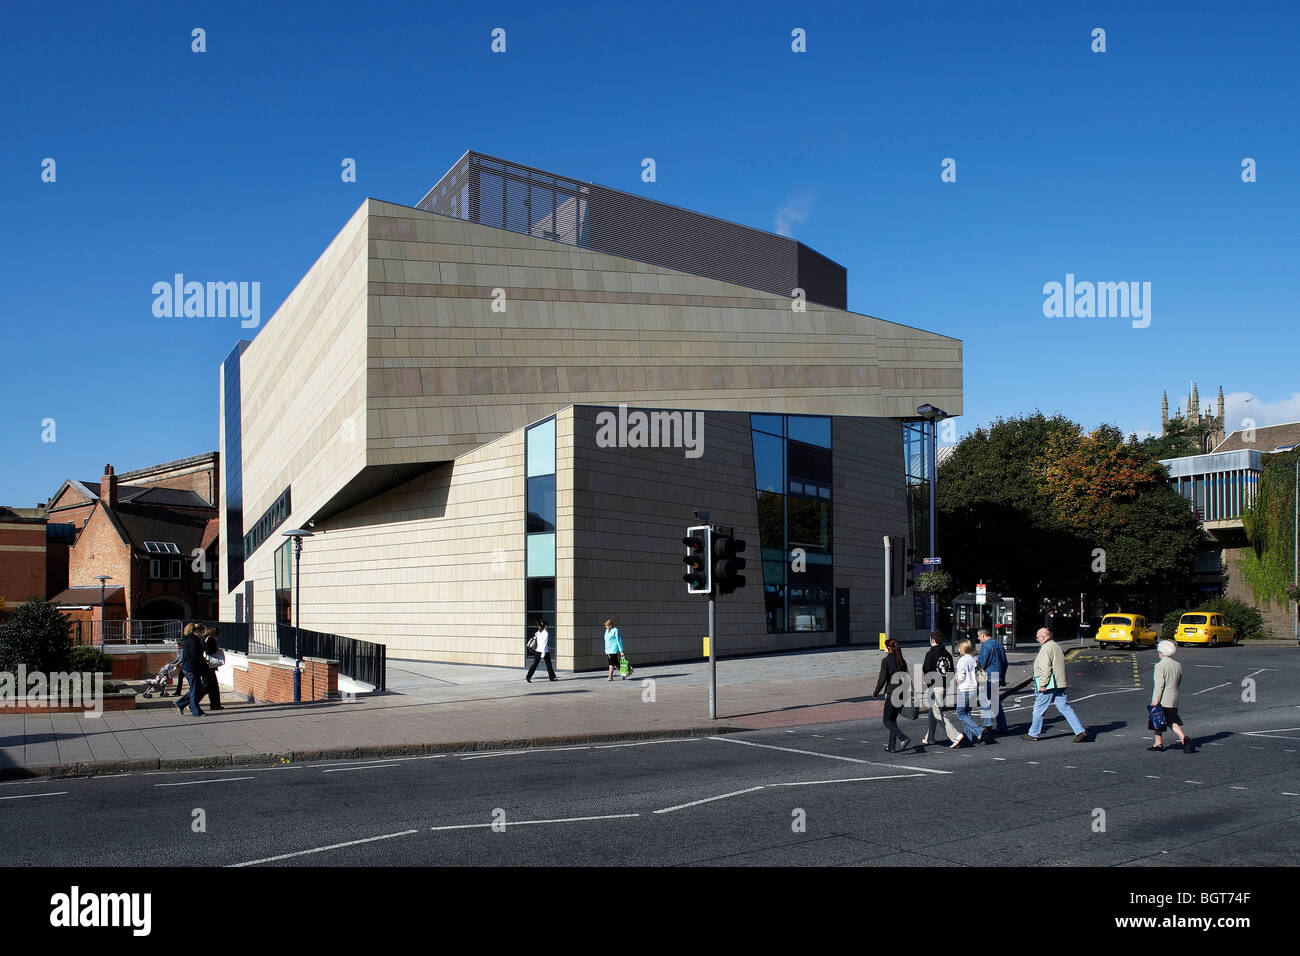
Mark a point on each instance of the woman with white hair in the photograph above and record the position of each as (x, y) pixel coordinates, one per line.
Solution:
(1164, 694)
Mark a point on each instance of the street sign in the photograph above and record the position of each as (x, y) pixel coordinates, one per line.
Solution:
(981, 594)
(932, 560)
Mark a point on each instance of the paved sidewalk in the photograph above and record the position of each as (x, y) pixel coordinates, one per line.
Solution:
(447, 707)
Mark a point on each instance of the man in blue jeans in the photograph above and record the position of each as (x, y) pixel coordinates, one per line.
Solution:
(1049, 688)
(193, 664)
(993, 662)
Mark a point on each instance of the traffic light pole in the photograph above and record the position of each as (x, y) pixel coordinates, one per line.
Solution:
(713, 661)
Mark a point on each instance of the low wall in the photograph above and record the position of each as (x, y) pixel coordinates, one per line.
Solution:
(270, 679)
(137, 662)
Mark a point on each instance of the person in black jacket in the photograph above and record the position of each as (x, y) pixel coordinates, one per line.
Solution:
(893, 678)
(210, 686)
(193, 665)
(938, 668)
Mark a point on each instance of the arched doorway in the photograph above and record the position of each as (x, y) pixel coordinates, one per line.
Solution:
(164, 609)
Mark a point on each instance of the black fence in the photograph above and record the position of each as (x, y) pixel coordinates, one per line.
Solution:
(360, 660)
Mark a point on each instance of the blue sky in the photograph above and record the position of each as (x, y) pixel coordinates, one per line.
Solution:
(224, 165)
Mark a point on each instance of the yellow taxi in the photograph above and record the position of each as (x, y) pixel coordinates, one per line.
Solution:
(1128, 629)
(1204, 627)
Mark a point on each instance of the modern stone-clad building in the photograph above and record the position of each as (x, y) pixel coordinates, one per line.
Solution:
(508, 404)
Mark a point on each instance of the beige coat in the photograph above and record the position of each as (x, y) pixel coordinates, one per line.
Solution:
(1166, 678)
(1050, 661)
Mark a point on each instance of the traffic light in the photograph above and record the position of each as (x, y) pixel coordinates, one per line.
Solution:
(727, 564)
(698, 560)
(898, 571)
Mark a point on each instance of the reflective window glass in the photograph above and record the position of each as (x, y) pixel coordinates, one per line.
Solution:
(814, 431)
(541, 448)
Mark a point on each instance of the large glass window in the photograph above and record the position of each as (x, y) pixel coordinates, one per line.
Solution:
(792, 478)
(539, 528)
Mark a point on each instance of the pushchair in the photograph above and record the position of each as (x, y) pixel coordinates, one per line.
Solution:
(162, 680)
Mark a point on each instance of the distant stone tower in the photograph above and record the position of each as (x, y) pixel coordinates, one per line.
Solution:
(1193, 415)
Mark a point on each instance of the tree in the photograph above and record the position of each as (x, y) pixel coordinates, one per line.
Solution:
(1178, 441)
(38, 636)
(1036, 508)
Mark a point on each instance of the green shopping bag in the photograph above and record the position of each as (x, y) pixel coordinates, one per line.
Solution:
(624, 666)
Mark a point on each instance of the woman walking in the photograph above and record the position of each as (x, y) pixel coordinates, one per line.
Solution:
(1167, 676)
(213, 657)
(967, 685)
(613, 647)
(893, 679)
(937, 668)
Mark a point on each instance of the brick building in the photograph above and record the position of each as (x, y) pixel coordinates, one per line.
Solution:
(153, 531)
(22, 555)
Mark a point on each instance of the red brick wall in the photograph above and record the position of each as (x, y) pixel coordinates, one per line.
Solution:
(139, 665)
(101, 550)
(22, 572)
(272, 682)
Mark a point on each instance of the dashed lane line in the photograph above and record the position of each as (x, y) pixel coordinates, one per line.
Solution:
(1215, 687)
(1260, 671)
(813, 753)
(510, 753)
(29, 796)
(191, 783)
(323, 849)
(815, 783)
(529, 823)
(373, 766)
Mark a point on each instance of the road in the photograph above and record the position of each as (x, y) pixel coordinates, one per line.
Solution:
(815, 795)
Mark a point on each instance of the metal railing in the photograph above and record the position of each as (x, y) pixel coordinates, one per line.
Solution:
(363, 661)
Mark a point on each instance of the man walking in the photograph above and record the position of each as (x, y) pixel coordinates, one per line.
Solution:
(1049, 688)
(542, 652)
(993, 662)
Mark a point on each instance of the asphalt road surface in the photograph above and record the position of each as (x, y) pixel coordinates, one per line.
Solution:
(818, 795)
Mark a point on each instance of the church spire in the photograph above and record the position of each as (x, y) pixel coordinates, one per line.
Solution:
(1164, 410)
(1221, 419)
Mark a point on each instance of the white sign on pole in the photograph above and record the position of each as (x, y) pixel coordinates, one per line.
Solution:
(981, 594)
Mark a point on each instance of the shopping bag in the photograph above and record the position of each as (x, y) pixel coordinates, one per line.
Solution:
(1157, 714)
(624, 666)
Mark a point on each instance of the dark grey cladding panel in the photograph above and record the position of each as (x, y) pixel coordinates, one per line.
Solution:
(499, 193)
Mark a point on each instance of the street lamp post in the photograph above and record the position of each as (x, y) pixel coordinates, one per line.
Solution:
(297, 534)
(933, 415)
(101, 578)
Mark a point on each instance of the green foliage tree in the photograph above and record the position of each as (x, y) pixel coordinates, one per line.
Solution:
(1178, 441)
(1268, 565)
(1026, 504)
(36, 635)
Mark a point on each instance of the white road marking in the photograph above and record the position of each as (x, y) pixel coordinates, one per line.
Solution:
(1151, 777)
(1110, 771)
(190, 783)
(1288, 793)
(646, 743)
(1193, 781)
(1236, 788)
(373, 766)
(360, 763)
(169, 773)
(813, 753)
(813, 783)
(1035, 762)
(523, 823)
(999, 758)
(1215, 666)
(28, 796)
(508, 753)
(322, 849)
(1260, 671)
(1282, 733)
(1215, 687)
(1070, 767)
(696, 803)
(1126, 690)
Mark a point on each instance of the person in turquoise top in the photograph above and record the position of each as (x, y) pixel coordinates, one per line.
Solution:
(613, 647)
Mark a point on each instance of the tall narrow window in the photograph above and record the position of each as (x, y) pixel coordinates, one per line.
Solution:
(539, 527)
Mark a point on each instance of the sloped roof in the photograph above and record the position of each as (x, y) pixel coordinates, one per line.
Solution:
(1267, 437)
(141, 524)
(78, 597)
(162, 497)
